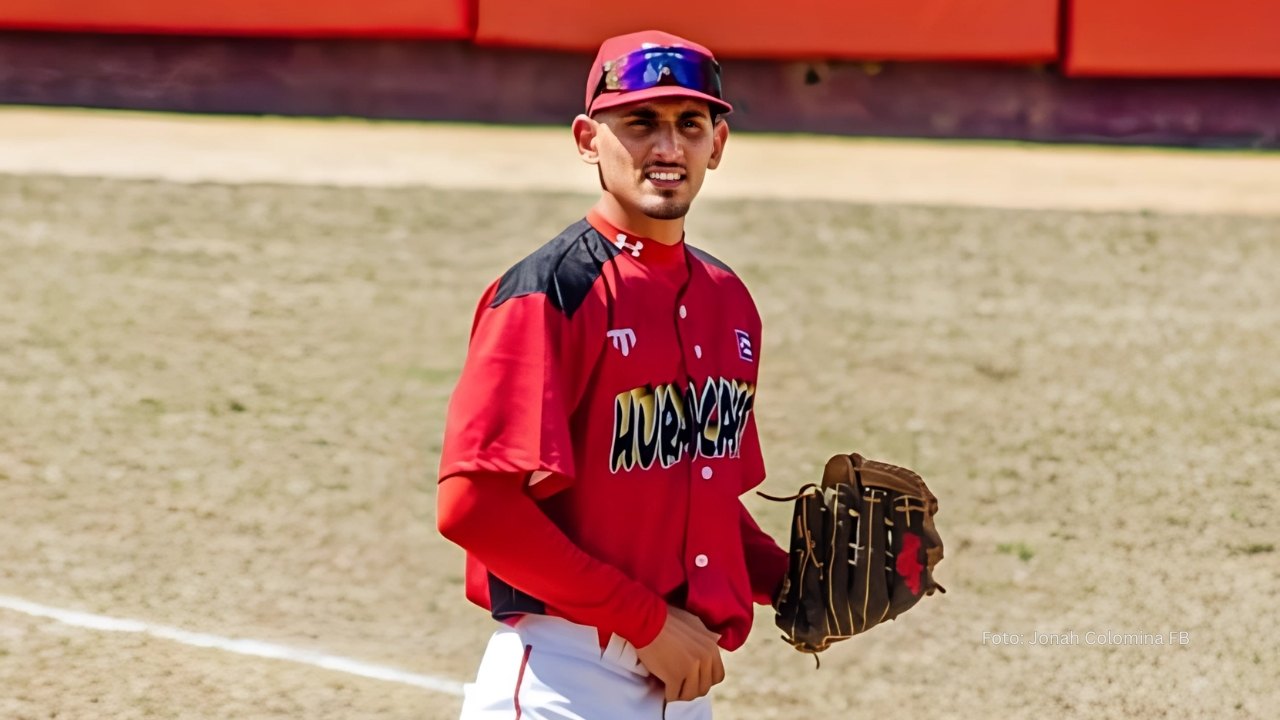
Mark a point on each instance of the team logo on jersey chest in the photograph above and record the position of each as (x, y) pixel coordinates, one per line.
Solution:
(662, 424)
(623, 340)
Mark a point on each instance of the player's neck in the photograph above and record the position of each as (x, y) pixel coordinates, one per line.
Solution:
(667, 232)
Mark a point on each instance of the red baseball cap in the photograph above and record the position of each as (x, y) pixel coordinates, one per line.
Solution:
(651, 64)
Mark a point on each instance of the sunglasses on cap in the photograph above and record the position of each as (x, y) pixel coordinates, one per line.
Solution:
(656, 66)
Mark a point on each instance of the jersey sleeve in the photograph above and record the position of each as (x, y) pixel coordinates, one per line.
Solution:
(511, 409)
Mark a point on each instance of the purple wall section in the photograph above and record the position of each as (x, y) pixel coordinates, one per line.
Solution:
(458, 81)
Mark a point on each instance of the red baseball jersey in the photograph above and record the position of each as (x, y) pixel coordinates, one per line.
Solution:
(615, 377)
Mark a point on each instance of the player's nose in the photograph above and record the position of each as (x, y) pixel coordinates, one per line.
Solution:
(666, 145)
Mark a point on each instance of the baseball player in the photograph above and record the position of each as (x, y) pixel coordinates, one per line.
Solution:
(603, 428)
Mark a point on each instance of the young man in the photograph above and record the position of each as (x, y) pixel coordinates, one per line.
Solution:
(602, 431)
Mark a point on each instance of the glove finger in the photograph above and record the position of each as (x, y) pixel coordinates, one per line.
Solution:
(812, 612)
(844, 558)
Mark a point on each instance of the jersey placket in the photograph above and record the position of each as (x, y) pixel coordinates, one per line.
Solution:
(699, 471)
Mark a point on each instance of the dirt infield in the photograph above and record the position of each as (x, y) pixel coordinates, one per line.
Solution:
(349, 152)
(223, 408)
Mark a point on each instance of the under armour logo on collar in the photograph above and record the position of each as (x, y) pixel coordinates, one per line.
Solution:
(623, 340)
(635, 248)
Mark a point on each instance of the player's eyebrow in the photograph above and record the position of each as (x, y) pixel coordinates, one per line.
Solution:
(648, 113)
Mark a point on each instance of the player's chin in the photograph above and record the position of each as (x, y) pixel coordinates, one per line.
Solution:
(665, 208)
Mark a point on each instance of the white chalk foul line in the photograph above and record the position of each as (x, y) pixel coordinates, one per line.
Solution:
(242, 646)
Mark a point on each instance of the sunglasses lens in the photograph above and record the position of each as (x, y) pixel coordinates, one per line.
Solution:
(667, 66)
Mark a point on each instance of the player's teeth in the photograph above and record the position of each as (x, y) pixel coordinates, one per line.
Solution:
(664, 176)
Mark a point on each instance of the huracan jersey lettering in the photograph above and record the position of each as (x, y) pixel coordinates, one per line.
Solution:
(614, 384)
(665, 423)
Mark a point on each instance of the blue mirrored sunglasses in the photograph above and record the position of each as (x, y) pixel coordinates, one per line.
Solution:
(652, 67)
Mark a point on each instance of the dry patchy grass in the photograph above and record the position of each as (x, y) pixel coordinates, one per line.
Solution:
(222, 409)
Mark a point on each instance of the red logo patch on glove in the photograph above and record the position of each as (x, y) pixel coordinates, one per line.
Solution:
(908, 562)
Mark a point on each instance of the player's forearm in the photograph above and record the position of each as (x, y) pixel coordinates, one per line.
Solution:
(766, 561)
(490, 516)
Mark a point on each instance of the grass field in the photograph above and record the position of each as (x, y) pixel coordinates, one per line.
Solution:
(221, 409)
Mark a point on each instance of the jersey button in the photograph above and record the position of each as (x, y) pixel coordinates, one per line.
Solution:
(707, 473)
(697, 351)
(683, 312)
(701, 561)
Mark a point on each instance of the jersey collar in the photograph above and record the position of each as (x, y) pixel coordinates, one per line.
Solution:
(643, 249)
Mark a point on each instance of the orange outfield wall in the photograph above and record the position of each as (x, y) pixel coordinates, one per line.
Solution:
(1174, 38)
(1009, 30)
(288, 18)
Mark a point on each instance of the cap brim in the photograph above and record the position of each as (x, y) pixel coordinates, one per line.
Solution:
(616, 99)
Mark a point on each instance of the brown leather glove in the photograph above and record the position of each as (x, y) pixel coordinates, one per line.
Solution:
(863, 550)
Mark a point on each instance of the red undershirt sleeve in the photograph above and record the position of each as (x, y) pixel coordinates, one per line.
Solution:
(490, 515)
(766, 561)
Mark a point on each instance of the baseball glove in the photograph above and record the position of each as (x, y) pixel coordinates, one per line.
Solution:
(863, 550)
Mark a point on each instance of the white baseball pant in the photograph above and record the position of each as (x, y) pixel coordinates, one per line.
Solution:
(548, 668)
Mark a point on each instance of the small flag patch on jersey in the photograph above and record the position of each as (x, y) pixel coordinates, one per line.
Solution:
(744, 345)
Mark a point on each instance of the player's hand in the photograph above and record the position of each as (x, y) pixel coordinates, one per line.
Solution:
(684, 656)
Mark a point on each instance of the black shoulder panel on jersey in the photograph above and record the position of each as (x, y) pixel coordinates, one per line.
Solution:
(507, 601)
(710, 259)
(564, 269)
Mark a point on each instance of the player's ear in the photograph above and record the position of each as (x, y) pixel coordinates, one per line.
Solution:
(719, 136)
(585, 134)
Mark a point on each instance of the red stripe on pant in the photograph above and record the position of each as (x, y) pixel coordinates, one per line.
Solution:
(524, 662)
